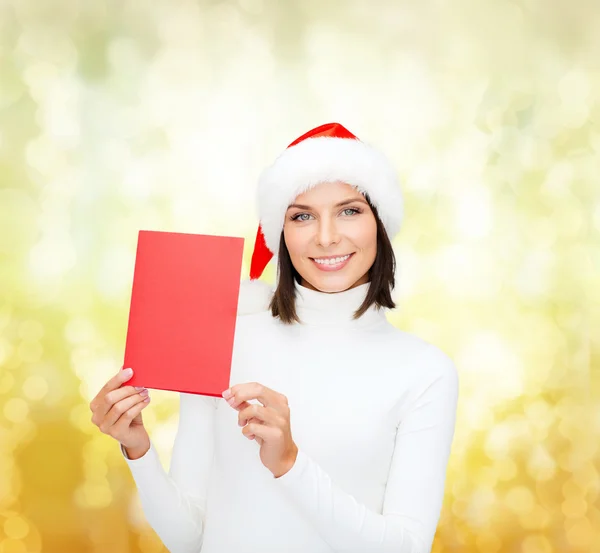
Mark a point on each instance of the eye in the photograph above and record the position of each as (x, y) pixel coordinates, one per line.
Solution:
(305, 216)
(299, 216)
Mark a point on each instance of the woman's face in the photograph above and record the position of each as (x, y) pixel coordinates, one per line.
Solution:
(331, 220)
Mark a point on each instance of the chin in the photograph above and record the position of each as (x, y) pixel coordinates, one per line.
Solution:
(332, 283)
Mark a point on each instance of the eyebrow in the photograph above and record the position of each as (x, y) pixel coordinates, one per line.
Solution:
(340, 204)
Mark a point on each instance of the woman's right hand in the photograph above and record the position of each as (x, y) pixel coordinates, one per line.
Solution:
(117, 411)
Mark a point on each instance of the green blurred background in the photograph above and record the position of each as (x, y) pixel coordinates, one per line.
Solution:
(117, 116)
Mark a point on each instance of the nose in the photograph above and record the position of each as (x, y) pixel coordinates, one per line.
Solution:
(327, 233)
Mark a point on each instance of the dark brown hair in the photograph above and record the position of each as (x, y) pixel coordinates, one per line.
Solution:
(381, 278)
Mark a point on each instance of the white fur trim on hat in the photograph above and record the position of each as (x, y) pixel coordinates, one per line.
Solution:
(327, 159)
(254, 297)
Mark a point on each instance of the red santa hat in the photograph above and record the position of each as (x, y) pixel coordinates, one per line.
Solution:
(327, 153)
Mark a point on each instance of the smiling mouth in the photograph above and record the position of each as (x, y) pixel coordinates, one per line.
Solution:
(331, 261)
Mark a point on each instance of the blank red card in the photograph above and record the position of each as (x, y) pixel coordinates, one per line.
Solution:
(183, 311)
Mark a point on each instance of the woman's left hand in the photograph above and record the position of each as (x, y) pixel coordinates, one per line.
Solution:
(268, 423)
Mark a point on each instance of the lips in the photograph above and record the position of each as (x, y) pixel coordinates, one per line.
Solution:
(330, 257)
(332, 266)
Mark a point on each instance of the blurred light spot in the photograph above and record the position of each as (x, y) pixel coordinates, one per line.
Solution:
(5, 316)
(473, 217)
(6, 350)
(498, 371)
(12, 546)
(46, 42)
(18, 215)
(536, 544)
(40, 76)
(558, 180)
(519, 499)
(422, 178)
(43, 154)
(574, 507)
(467, 271)
(543, 232)
(580, 533)
(488, 541)
(31, 330)
(540, 465)
(506, 469)
(253, 7)
(80, 417)
(477, 414)
(497, 444)
(7, 381)
(534, 277)
(16, 410)
(460, 506)
(80, 330)
(95, 467)
(94, 495)
(35, 387)
(15, 527)
(481, 505)
(138, 179)
(29, 351)
(574, 91)
(586, 475)
(535, 153)
(52, 257)
(537, 519)
(596, 216)
(115, 274)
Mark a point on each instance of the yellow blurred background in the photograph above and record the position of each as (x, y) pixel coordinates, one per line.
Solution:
(117, 116)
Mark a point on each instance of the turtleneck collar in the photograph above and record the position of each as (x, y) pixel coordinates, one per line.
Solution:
(322, 308)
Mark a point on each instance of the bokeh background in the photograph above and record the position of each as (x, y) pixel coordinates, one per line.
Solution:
(117, 116)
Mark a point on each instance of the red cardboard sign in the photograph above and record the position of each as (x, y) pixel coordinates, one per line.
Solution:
(183, 311)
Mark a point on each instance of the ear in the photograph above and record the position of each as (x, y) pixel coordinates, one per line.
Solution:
(254, 297)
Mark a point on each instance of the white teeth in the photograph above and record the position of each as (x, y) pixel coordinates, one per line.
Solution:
(333, 261)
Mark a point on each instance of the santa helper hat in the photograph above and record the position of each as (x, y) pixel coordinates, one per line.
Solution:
(326, 153)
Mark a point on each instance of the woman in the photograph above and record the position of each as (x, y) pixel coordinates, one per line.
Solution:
(347, 422)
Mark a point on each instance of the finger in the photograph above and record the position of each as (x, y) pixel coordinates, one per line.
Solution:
(106, 403)
(121, 407)
(265, 415)
(115, 382)
(255, 390)
(242, 405)
(121, 426)
(118, 380)
(253, 430)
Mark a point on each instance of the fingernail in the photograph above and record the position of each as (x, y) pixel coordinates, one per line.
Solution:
(227, 393)
(138, 388)
(231, 401)
(147, 399)
(128, 372)
(144, 393)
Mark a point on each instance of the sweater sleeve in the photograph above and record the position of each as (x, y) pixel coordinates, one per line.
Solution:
(415, 487)
(174, 502)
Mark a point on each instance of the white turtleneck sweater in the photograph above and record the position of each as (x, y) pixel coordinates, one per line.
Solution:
(372, 411)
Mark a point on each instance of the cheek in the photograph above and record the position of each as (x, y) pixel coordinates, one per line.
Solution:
(365, 235)
(293, 241)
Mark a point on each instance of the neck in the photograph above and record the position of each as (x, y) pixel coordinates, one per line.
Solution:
(320, 308)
